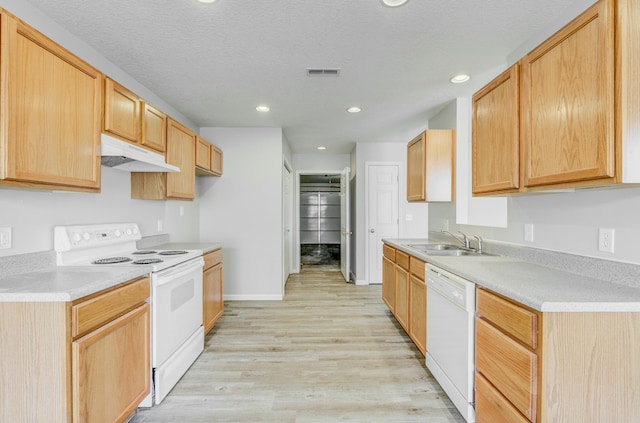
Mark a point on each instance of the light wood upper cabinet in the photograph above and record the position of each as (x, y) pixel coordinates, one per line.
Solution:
(51, 117)
(154, 128)
(430, 166)
(496, 135)
(568, 103)
(208, 158)
(181, 152)
(121, 112)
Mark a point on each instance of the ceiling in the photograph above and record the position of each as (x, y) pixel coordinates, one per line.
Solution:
(216, 62)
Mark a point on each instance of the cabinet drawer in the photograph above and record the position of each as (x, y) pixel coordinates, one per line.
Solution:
(212, 258)
(389, 252)
(416, 267)
(96, 311)
(492, 407)
(402, 260)
(509, 366)
(518, 322)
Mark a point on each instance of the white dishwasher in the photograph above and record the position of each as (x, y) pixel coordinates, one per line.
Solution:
(451, 303)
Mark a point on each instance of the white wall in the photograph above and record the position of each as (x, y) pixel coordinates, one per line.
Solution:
(243, 210)
(418, 212)
(33, 213)
(321, 161)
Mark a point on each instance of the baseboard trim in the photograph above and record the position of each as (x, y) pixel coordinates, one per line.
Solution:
(361, 282)
(253, 297)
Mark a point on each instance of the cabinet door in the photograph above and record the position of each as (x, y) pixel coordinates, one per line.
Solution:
(496, 135)
(402, 297)
(154, 128)
(111, 369)
(416, 162)
(181, 152)
(51, 117)
(568, 103)
(216, 160)
(389, 283)
(418, 313)
(121, 111)
(439, 165)
(212, 296)
(203, 153)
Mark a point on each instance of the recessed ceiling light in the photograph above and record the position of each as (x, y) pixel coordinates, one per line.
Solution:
(354, 109)
(262, 108)
(394, 3)
(322, 148)
(207, 1)
(460, 78)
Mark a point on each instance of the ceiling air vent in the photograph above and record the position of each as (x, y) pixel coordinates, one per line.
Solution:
(323, 72)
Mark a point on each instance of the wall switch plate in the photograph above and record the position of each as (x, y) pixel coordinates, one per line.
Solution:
(5, 238)
(528, 232)
(408, 217)
(606, 239)
(445, 224)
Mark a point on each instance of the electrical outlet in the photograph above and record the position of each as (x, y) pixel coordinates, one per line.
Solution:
(408, 217)
(445, 224)
(528, 232)
(181, 210)
(160, 225)
(5, 238)
(606, 240)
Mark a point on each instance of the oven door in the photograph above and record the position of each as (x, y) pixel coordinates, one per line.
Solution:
(176, 308)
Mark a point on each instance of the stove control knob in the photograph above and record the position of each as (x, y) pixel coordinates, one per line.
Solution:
(76, 237)
(135, 230)
(129, 231)
(117, 233)
(86, 236)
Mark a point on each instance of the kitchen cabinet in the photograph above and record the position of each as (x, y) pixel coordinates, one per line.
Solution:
(208, 158)
(121, 112)
(212, 296)
(402, 289)
(154, 128)
(554, 366)
(496, 135)
(417, 304)
(389, 276)
(181, 152)
(430, 166)
(568, 103)
(97, 362)
(51, 113)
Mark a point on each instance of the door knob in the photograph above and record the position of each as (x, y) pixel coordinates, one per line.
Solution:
(372, 230)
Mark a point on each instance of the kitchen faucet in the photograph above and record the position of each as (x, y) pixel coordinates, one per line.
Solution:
(464, 241)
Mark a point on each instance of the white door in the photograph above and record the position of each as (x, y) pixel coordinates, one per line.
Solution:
(345, 229)
(382, 214)
(287, 242)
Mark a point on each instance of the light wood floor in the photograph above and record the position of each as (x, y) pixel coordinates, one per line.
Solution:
(329, 352)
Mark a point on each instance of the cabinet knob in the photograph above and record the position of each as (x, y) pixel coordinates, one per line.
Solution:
(373, 231)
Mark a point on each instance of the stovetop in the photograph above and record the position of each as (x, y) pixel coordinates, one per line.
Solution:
(111, 245)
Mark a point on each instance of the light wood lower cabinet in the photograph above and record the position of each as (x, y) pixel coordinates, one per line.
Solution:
(389, 276)
(51, 113)
(417, 304)
(555, 366)
(213, 290)
(405, 294)
(85, 361)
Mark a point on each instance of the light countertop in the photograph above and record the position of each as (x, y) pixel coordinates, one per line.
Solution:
(539, 287)
(51, 283)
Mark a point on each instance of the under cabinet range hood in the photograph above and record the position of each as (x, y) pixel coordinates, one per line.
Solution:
(121, 155)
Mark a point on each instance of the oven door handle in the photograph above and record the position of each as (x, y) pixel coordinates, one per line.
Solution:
(169, 275)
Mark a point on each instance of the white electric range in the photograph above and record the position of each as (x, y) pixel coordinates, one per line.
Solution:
(177, 334)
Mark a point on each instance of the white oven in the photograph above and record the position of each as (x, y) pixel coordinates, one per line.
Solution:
(177, 336)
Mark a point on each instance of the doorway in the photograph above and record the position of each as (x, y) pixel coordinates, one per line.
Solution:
(324, 220)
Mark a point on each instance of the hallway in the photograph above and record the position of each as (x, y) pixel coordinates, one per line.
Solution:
(329, 352)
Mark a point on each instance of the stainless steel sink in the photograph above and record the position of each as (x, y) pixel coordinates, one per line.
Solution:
(445, 250)
(433, 247)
